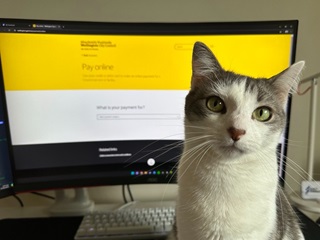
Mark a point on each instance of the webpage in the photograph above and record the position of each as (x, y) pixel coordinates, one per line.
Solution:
(64, 88)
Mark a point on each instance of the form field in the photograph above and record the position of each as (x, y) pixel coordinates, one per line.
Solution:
(138, 116)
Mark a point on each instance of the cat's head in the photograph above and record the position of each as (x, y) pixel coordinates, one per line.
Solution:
(232, 113)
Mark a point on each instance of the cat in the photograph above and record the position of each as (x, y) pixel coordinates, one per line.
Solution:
(227, 176)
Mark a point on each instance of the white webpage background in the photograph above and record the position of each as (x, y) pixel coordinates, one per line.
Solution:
(44, 117)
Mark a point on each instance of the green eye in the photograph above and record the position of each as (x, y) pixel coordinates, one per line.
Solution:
(215, 104)
(262, 114)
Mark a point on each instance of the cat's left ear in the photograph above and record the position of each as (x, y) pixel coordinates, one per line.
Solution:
(204, 64)
(287, 81)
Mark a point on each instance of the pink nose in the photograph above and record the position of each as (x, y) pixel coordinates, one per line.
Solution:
(235, 133)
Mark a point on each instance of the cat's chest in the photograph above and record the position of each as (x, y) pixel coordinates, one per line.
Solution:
(226, 198)
(228, 185)
(236, 176)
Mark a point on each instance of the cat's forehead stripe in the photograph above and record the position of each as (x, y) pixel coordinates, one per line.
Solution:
(239, 86)
(250, 86)
(259, 87)
(239, 92)
(243, 89)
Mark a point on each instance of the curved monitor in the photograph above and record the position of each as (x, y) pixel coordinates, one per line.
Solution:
(103, 103)
(6, 179)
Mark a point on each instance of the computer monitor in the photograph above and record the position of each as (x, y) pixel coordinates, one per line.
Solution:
(92, 103)
(6, 179)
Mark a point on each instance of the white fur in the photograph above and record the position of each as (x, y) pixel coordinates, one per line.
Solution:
(223, 193)
(227, 199)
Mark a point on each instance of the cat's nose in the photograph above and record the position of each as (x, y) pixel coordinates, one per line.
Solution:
(235, 133)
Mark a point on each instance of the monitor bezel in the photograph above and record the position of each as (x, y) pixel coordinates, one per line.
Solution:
(10, 190)
(150, 28)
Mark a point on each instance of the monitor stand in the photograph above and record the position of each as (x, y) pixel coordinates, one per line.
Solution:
(78, 205)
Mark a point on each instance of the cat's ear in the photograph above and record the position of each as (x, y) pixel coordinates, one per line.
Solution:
(287, 81)
(204, 63)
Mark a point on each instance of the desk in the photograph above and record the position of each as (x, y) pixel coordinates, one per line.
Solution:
(46, 228)
(35, 223)
(310, 229)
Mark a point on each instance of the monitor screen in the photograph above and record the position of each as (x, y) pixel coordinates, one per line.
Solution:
(6, 179)
(103, 103)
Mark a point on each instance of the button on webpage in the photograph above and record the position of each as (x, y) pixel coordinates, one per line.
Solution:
(151, 162)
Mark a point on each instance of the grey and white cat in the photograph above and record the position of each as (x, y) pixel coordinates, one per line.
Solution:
(227, 175)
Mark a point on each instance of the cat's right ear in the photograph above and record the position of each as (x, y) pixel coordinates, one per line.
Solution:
(287, 81)
(204, 63)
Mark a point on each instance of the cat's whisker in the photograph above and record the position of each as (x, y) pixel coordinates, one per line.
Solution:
(302, 177)
(189, 151)
(316, 174)
(151, 152)
(297, 145)
(208, 147)
(294, 164)
(292, 191)
(194, 150)
(293, 178)
(278, 192)
(301, 170)
(298, 169)
(152, 143)
(167, 161)
(199, 148)
(295, 141)
(168, 147)
(289, 187)
(298, 172)
(198, 127)
(196, 147)
(263, 156)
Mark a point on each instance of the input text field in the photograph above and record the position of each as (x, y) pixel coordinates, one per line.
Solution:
(138, 116)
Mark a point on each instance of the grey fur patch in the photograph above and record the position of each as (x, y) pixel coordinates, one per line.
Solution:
(287, 220)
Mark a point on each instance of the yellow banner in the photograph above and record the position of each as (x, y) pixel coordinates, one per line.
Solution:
(63, 62)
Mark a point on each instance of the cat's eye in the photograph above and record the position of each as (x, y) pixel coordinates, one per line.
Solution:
(262, 114)
(215, 104)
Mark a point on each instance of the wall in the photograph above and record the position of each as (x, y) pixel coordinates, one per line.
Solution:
(307, 12)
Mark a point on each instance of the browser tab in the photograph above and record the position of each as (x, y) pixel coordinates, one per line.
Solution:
(46, 26)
